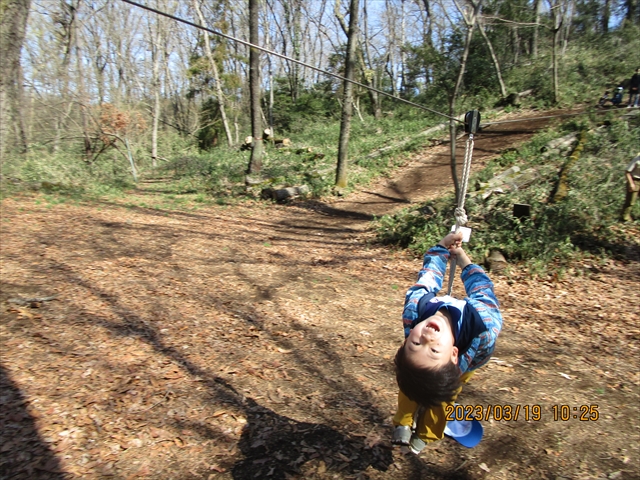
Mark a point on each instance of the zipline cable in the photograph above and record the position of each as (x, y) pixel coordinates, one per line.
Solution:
(271, 52)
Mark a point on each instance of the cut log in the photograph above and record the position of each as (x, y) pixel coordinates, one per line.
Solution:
(510, 179)
(282, 194)
(496, 262)
(559, 144)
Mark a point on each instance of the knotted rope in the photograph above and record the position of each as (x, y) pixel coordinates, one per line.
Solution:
(460, 214)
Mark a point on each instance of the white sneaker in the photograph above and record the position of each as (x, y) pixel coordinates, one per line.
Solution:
(401, 435)
(416, 445)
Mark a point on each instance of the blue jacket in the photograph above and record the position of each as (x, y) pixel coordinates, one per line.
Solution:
(480, 297)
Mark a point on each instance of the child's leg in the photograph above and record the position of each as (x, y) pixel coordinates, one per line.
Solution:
(630, 199)
(433, 421)
(405, 411)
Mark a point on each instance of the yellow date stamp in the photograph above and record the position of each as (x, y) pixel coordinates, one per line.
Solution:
(512, 413)
(507, 413)
(584, 413)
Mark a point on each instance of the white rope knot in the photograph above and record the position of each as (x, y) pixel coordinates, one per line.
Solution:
(461, 216)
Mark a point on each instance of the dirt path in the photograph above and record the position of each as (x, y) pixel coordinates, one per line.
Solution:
(255, 341)
(428, 173)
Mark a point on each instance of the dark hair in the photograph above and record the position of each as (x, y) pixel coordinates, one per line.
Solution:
(429, 387)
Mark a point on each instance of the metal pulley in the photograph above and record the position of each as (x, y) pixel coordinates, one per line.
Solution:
(472, 121)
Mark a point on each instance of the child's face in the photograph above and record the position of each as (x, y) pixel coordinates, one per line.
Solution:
(430, 343)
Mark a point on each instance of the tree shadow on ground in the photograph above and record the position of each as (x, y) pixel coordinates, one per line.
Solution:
(401, 198)
(275, 445)
(324, 209)
(590, 243)
(272, 445)
(24, 453)
(278, 447)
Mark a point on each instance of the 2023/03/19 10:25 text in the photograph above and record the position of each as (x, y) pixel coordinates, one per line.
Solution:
(511, 413)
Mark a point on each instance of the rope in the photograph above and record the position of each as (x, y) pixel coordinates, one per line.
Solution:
(460, 213)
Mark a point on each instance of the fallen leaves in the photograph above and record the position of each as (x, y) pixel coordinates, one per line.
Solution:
(176, 346)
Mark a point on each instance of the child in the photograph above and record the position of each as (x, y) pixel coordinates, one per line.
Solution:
(617, 96)
(604, 99)
(445, 340)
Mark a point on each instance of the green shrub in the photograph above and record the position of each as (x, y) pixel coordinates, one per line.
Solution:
(585, 222)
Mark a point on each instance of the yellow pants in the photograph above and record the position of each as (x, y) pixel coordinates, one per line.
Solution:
(430, 425)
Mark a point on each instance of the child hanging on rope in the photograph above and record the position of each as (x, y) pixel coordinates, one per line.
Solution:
(446, 339)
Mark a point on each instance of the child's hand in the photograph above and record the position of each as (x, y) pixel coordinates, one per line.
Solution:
(453, 243)
(462, 259)
(452, 240)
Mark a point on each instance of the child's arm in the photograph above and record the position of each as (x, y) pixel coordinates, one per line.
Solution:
(482, 297)
(430, 277)
(477, 283)
(462, 259)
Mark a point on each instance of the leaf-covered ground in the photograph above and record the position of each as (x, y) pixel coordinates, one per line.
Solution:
(256, 341)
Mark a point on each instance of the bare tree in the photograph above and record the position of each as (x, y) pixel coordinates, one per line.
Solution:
(216, 76)
(368, 73)
(391, 62)
(557, 17)
(631, 12)
(292, 18)
(368, 66)
(403, 39)
(469, 15)
(255, 164)
(534, 39)
(83, 98)
(156, 34)
(347, 104)
(13, 24)
(64, 19)
(494, 58)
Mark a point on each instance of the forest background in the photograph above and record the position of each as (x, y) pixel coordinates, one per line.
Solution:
(160, 320)
(98, 95)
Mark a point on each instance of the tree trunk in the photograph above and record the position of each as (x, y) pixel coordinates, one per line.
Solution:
(368, 68)
(534, 38)
(270, 83)
(84, 98)
(155, 111)
(347, 103)
(390, 63)
(516, 44)
(554, 54)
(66, 24)
(216, 77)
(427, 40)
(496, 64)
(606, 14)
(367, 73)
(403, 53)
(470, 20)
(255, 164)
(554, 50)
(292, 17)
(566, 21)
(632, 16)
(13, 24)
